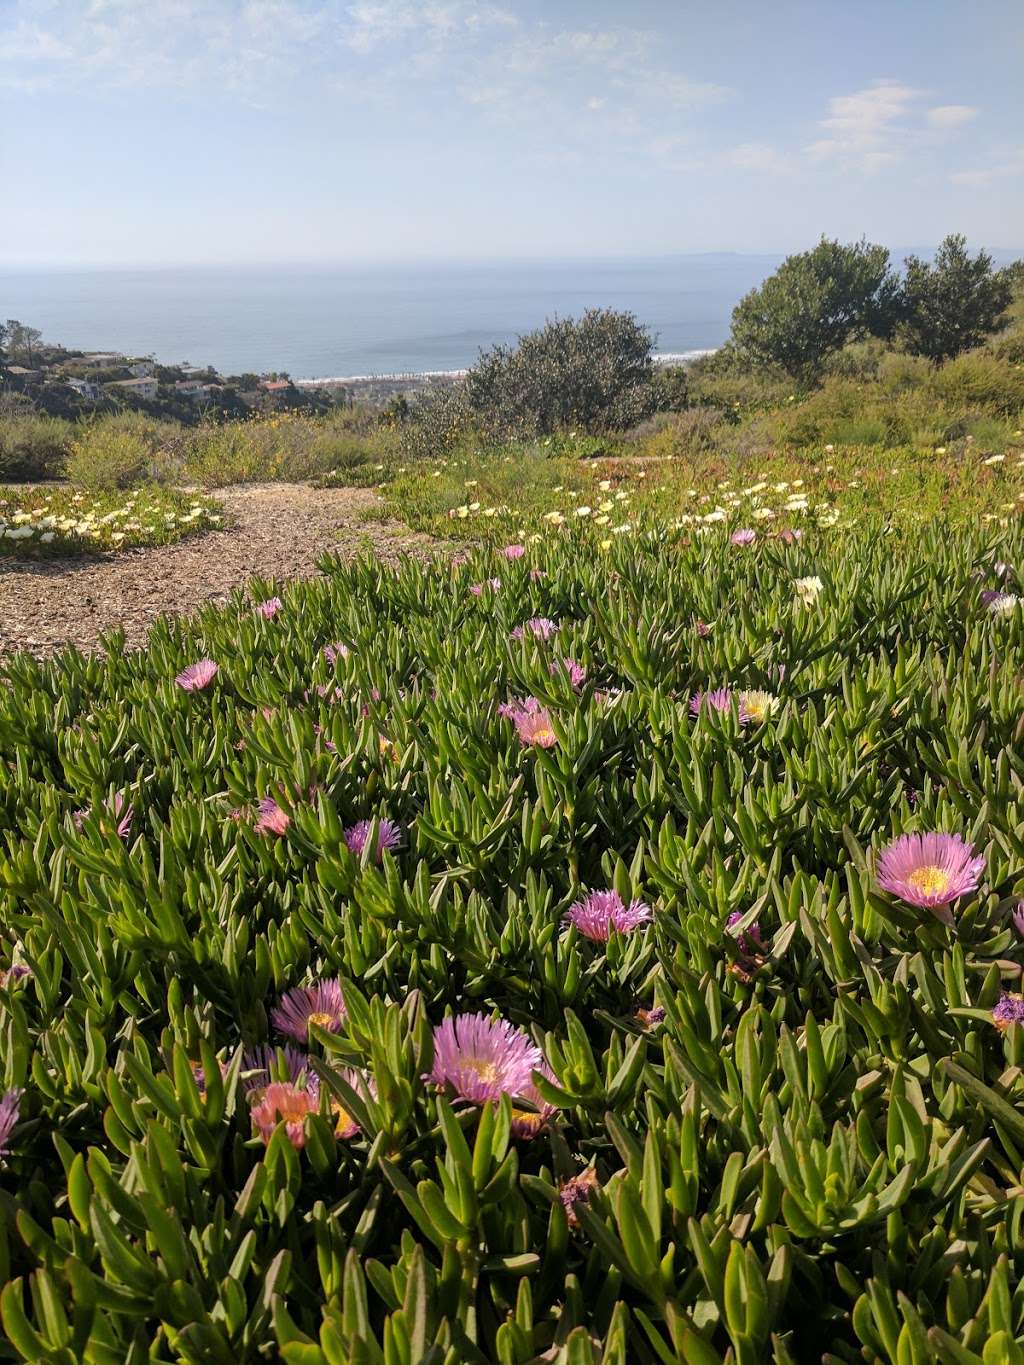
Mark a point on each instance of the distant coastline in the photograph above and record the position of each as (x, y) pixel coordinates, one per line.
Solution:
(422, 378)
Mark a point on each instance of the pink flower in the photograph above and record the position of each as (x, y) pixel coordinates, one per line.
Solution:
(287, 1104)
(537, 574)
(10, 1108)
(477, 588)
(534, 727)
(262, 1065)
(319, 1004)
(577, 1191)
(18, 972)
(389, 836)
(1009, 1010)
(514, 551)
(482, 1059)
(718, 700)
(744, 537)
(749, 941)
(197, 676)
(930, 871)
(540, 626)
(270, 607)
(332, 653)
(577, 672)
(122, 814)
(702, 628)
(271, 819)
(603, 913)
(1018, 918)
(790, 537)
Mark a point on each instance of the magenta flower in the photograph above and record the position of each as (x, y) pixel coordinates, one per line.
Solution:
(287, 1104)
(744, 537)
(535, 727)
(702, 628)
(262, 1064)
(649, 1018)
(540, 626)
(197, 676)
(10, 1108)
(320, 1004)
(749, 940)
(512, 709)
(790, 537)
(482, 1059)
(930, 871)
(270, 607)
(718, 700)
(601, 913)
(1009, 1010)
(477, 588)
(577, 672)
(514, 551)
(389, 836)
(577, 1191)
(271, 819)
(122, 814)
(332, 653)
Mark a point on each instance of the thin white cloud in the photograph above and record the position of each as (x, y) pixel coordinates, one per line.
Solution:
(761, 158)
(1009, 167)
(861, 129)
(951, 115)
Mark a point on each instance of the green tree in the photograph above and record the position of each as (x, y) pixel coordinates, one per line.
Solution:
(814, 304)
(954, 302)
(21, 341)
(593, 373)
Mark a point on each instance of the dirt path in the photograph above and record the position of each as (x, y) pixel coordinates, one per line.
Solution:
(280, 531)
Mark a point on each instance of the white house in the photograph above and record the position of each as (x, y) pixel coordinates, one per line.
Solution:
(192, 388)
(100, 360)
(141, 388)
(84, 388)
(141, 369)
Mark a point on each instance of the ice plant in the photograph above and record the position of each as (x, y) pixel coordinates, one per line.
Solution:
(514, 551)
(477, 589)
(1009, 1010)
(270, 607)
(575, 1191)
(744, 537)
(649, 1018)
(122, 814)
(332, 653)
(534, 727)
(271, 818)
(527, 1123)
(287, 1104)
(1002, 603)
(540, 626)
(603, 913)
(1018, 918)
(389, 836)
(930, 871)
(345, 1125)
(260, 1065)
(808, 590)
(720, 699)
(10, 1108)
(757, 706)
(197, 676)
(8, 975)
(481, 1058)
(577, 672)
(320, 1004)
(749, 940)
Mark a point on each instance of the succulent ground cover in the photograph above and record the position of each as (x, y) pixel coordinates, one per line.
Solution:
(61, 520)
(553, 954)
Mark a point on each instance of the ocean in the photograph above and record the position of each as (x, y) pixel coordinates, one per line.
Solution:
(329, 322)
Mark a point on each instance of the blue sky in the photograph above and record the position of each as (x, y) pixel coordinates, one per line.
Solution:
(168, 131)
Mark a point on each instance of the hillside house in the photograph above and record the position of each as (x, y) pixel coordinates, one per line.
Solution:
(141, 369)
(139, 388)
(192, 389)
(100, 360)
(85, 388)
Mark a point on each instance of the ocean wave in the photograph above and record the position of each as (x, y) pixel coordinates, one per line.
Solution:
(414, 376)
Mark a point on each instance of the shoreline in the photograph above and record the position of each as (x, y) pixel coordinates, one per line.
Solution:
(450, 376)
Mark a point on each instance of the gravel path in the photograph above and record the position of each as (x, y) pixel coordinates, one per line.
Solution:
(280, 531)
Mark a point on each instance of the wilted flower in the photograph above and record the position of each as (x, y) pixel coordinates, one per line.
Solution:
(649, 1018)
(1018, 918)
(930, 871)
(10, 1108)
(320, 1004)
(288, 1104)
(540, 626)
(718, 700)
(789, 536)
(345, 1125)
(271, 819)
(270, 607)
(576, 1191)
(8, 975)
(1009, 1010)
(601, 913)
(482, 1059)
(1001, 603)
(527, 1123)
(197, 676)
(389, 836)
(743, 537)
(702, 628)
(757, 706)
(514, 551)
(577, 672)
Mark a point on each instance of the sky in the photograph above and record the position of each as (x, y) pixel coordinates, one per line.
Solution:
(244, 131)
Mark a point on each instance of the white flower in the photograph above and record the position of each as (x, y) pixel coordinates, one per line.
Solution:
(583, 511)
(995, 459)
(763, 514)
(808, 589)
(1004, 605)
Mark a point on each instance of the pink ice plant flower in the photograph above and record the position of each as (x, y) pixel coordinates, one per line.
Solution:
(1018, 918)
(271, 818)
(603, 913)
(284, 1103)
(577, 672)
(720, 699)
(197, 676)
(514, 551)
(363, 1084)
(477, 589)
(1009, 1010)
(743, 537)
(930, 871)
(482, 1059)
(270, 607)
(535, 727)
(540, 626)
(122, 813)
(389, 836)
(320, 1004)
(18, 972)
(10, 1108)
(749, 940)
(262, 1064)
(332, 653)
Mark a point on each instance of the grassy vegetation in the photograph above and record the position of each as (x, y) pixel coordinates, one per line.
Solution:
(57, 521)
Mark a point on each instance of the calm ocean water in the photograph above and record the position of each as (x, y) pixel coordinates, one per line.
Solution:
(325, 322)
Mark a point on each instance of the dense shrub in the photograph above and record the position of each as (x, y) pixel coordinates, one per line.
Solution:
(117, 452)
(436, 423)
(32, 447)
(981, 380)
(953, 303)
(813, 304)
(594, 374)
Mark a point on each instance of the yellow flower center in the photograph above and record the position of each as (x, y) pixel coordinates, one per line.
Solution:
(324, 1021)
(930, 881)
(542, 734)
(487, 1071)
